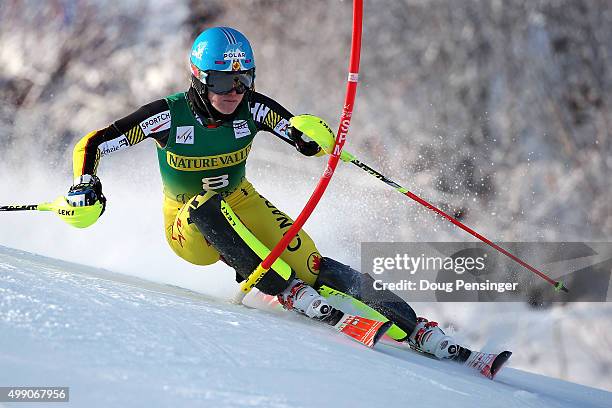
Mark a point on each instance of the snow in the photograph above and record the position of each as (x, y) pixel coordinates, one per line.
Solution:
(118, 340)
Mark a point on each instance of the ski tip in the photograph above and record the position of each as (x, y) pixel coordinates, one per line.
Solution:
(381, 331)
(499, 362)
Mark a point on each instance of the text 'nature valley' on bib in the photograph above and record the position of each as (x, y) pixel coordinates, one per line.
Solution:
(186, 163)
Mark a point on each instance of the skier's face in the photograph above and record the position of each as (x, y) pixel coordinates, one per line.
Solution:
(226, 104)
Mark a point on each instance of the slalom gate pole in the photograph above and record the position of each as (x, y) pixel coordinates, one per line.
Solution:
(345, 121)
(557, 284)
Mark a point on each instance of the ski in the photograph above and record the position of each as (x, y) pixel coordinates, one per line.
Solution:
(369, 332)
(366, 331)
(487, 364)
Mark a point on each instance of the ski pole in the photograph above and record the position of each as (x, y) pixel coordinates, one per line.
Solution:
(20, 207)
(345, 121)
(313, 128)
(78, 217)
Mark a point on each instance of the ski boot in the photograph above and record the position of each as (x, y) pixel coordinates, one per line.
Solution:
(428, 338)
(303, 298)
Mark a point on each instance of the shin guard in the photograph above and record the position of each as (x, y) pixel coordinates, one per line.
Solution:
(236, 244)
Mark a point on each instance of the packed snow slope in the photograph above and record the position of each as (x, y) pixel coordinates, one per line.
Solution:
(122, 341)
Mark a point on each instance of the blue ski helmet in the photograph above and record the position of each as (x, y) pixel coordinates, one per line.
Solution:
(221, 49)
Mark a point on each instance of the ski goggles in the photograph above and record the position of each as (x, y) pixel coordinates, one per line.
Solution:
(223, 82)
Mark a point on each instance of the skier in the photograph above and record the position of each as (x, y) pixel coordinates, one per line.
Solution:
(211, 211)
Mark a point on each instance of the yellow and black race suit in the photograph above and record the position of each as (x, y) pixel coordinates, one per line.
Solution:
(195, 156)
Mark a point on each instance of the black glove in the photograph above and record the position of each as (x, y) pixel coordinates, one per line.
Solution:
(87, 191)
(309, 148)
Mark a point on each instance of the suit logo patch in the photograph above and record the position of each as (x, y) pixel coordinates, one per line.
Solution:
(156, 123)
(241, 129)
(114, 145)
(185, 135)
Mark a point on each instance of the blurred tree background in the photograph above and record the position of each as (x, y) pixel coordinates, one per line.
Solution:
(495, 107)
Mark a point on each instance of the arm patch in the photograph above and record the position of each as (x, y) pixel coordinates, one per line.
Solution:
(151, 120)
(270, 116)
